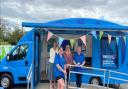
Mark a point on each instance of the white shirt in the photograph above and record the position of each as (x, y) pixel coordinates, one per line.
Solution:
(52, 54)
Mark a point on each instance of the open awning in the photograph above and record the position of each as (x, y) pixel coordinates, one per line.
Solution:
(78, 23)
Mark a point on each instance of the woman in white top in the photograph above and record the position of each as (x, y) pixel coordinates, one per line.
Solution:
(53, 52)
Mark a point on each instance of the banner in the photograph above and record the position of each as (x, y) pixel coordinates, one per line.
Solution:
(109, 61)
(49, 35)
(117, 40)
(60, 41)
(124, 37)
(109, 56)
(72, 41)
(83, 38)
(101, 34)
(94, 34)
(109, 38)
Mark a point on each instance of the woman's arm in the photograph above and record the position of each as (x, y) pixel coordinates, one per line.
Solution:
(74, 62)
(65, 66)
(51, 54)
(59, 67)
(83, 63)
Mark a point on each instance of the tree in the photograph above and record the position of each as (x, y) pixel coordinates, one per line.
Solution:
(2, 28)
(8, 36)
(15, 36)
(2, 32)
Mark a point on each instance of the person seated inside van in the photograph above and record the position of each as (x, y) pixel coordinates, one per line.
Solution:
(79, 60)
(60, 69)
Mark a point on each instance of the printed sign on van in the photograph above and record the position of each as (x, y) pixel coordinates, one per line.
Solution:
(109, 54)
(109, 61)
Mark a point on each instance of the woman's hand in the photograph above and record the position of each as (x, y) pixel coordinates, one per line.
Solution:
(64, 71)
(81, 65)
(67, 65)
(78, 64)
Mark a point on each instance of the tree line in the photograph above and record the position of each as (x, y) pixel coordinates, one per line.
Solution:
(9, 36)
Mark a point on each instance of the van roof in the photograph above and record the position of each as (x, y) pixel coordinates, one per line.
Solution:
(78, 23)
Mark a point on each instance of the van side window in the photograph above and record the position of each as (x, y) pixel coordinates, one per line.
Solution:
(20, 52)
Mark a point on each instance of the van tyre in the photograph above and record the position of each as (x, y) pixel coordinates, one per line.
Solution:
(6, 81)
(95, 81)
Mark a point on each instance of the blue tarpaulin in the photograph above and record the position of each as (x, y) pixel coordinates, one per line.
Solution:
(78, 23)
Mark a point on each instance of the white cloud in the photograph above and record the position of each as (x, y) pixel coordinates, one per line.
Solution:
(17, 11)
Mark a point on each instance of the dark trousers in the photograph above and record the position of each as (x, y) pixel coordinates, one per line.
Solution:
(78, 80)
(67, 81)
(67, 70)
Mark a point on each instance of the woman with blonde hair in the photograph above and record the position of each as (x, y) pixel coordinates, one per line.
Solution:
(53, 52)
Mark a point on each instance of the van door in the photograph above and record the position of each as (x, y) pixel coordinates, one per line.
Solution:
(36, 58)
(18, 59)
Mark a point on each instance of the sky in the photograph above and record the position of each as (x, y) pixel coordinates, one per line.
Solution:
(17, 11)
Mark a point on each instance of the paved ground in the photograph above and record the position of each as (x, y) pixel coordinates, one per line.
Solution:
(20, 87)
(124, 86)
(46, 86)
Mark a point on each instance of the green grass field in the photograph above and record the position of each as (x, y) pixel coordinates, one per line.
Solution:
(4, 49)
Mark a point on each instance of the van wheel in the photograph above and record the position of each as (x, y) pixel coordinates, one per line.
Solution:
(6, 81)
(95, 81)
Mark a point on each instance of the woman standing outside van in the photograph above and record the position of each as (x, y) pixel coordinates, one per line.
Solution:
(53, 52)
(69, 59)
(79, 60)
(60, 69)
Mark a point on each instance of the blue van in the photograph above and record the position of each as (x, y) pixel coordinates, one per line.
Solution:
(32, 49)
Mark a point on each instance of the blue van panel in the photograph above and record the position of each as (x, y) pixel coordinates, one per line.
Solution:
(29, 36)
(96, 53)
(124, 62)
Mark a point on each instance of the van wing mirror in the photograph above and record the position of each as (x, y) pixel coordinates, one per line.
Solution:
(8, 57)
